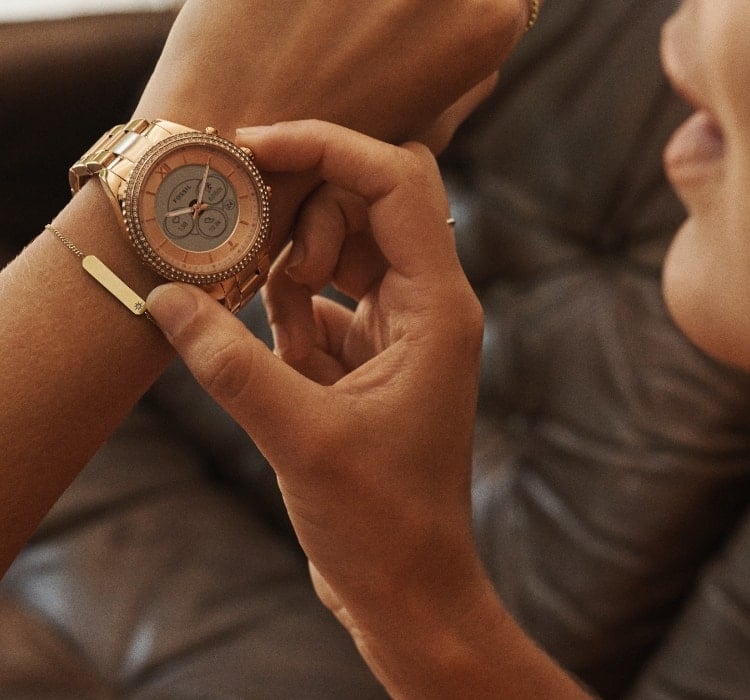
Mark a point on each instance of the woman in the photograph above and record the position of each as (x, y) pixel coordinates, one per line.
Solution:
(708, 162)
(377, 481)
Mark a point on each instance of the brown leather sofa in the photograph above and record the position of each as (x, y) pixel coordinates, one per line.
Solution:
(612, 458)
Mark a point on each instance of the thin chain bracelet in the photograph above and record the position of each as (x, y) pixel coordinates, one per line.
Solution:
(533, 14)
(105, 277)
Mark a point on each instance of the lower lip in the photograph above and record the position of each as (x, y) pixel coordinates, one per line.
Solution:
(696, 148)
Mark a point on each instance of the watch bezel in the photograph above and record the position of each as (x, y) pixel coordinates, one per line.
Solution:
(131, 205)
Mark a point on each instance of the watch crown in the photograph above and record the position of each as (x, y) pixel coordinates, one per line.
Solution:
(269, 191)
(211, 131)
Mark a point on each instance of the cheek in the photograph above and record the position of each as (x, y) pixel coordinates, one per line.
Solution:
(707, 287)
(733, 69)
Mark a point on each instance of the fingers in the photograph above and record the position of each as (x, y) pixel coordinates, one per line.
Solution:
(333, 244)
(407, 205)
(269, 399)
(289, 311)
(318, 234)
(308, 332)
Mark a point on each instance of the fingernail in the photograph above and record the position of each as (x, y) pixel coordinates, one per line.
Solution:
(172, 306)
(295, 259)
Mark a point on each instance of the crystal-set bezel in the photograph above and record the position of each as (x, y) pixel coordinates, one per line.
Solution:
(130, 207)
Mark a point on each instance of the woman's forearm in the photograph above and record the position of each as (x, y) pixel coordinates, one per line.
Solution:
(73, 362)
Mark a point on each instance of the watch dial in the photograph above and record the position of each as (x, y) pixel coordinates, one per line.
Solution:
(197, 208)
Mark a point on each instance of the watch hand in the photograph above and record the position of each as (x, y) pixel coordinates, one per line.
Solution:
(180, 212)
(201, 191)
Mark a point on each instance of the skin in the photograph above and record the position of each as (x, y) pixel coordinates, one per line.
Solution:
(707, 272)
(292, 66)
(377, 479)
(74, 361)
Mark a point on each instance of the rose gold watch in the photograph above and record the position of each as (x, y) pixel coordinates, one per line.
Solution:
(193, 204)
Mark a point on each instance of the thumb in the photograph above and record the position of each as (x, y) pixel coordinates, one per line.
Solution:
(269, 399)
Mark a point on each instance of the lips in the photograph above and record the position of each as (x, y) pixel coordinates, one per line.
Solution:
(695, 150)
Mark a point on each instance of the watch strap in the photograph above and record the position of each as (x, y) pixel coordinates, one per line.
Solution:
(115, 154)
(236, 291)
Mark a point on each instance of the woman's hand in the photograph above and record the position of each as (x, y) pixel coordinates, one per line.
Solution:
(373, 447)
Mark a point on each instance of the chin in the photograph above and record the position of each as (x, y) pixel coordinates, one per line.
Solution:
(698, 295)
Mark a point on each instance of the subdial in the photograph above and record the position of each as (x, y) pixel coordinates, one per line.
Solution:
(212, 223)
(180, 225)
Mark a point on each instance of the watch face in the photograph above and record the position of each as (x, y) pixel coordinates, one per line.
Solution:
(196, 208)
